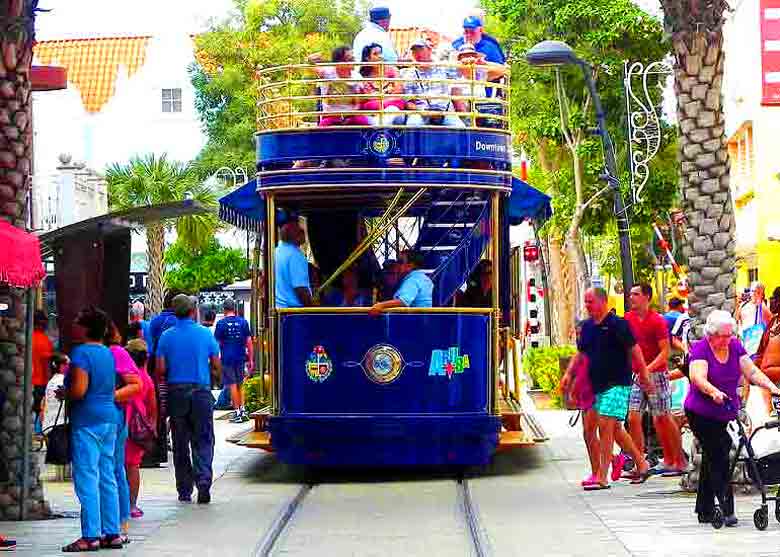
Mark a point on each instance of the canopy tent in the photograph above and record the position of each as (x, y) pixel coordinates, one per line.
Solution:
(526, 202)
(20, 257)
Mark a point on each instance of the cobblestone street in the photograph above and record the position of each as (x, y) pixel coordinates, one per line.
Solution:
(527, 502)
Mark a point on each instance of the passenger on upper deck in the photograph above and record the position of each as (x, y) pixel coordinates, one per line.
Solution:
(416, 288)
(484, 43)
(340, 85)
(291, 269)
(376, 31)
(427, 81)
(373, 53)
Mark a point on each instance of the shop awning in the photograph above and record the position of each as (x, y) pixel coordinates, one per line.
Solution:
(243, 207)
(527, 203)
(20, 257)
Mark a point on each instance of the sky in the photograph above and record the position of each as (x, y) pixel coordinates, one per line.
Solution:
(83, 18)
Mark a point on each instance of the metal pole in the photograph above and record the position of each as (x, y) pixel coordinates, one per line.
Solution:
(26, 420)
(621, 216)
(496, 321)
(270, 247)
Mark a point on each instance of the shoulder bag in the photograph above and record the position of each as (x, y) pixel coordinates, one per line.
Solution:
(58, 449)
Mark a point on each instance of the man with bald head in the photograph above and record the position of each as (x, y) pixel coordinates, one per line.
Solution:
(291, 269)
(609, 347)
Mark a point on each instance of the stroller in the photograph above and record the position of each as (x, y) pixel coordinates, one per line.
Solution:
(763, 472)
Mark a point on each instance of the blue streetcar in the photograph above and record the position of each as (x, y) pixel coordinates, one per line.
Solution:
(413, 385)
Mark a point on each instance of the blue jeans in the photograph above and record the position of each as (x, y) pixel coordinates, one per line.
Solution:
(94, 479)
(191, 409)
(123, 489)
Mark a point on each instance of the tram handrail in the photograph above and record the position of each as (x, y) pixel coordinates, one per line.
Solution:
(282, 102)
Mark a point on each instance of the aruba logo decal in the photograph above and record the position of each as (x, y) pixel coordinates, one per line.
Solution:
(319, 366)
(448, 362)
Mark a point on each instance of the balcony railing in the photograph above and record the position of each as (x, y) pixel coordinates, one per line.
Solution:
(462, 96)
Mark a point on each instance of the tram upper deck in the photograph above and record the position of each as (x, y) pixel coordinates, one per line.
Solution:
(431, 124)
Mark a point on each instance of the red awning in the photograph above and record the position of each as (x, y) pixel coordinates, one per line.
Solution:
(20, 257)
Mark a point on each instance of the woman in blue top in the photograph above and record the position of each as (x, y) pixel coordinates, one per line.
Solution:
(89, 390)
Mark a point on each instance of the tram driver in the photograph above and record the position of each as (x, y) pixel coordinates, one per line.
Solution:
(292, 288)
(415, 290)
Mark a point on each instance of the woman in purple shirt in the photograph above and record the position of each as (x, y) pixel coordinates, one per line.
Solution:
(717, 361)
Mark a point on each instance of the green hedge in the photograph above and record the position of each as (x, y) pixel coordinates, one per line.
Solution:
(251, 390)
(543, 365)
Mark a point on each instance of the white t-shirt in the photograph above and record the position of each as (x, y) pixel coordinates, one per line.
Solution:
(750, 315)
(52, 404)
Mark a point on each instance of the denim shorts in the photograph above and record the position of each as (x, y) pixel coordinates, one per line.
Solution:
(659, 403)
(613, 402)
(232, 374)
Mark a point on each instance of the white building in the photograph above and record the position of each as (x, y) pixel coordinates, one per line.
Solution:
(126, 96)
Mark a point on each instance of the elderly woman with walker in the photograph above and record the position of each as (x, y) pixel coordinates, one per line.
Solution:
(716, 363)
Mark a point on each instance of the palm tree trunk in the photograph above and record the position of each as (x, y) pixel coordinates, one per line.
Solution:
(563, 297)
(709, 239)
(155, 250)
(15, 166)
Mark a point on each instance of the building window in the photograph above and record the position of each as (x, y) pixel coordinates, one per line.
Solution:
(171, 100)
(753, 274)
(742, 157)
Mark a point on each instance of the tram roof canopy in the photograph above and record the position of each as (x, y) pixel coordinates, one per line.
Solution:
(244, 207)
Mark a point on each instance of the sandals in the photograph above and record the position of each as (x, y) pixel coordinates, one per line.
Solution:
(81, 545)
(597, 487)
(112, 542)
(641, 478)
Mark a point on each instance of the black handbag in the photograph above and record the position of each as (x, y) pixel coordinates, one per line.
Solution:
(140, 431)
(58, 450)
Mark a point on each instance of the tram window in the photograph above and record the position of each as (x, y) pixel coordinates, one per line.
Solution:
(171, 100)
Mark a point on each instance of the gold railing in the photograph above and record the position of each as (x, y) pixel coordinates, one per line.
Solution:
(464, 96)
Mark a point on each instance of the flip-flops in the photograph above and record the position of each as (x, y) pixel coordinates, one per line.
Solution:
(81, 545)
(590, 480)
(617, 466)
(641, 478)
(597, 487)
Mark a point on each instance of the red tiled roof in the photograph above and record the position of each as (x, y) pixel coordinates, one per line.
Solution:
(93, 64)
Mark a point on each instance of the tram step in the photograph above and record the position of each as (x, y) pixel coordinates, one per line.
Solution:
(508, 440)
(260, 418)
(256, 440)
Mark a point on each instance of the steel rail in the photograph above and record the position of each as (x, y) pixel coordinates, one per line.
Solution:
(267, 543)
(476, 533)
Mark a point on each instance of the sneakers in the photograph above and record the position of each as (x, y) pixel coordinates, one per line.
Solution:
(204, 497)
(6, 544)
(617, 466)
(135, 512)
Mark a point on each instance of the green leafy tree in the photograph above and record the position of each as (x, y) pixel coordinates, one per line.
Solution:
(193, 270)
(263, 33)
(151, 180)
(552, 116)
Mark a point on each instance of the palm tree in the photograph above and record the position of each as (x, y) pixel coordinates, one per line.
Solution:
(696, 29)
(151, 180)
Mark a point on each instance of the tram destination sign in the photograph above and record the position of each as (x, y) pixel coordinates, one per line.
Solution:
(329, 143)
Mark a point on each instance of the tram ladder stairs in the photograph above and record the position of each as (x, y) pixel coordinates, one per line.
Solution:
(452, 240)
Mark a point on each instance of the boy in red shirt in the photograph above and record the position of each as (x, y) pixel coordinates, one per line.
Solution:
(652, 335)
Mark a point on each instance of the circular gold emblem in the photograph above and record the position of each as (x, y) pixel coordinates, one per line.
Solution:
(383, 364)
(381, 144)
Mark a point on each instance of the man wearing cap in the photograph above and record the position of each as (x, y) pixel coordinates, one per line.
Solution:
(187, 355)
(428, 83)
(235, 340)
(484, 43)
(376, 31)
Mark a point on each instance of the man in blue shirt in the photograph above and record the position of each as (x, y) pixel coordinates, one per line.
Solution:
(235, 340)
(416, 289)
(292, 269)
(484, 43)
(187, 355)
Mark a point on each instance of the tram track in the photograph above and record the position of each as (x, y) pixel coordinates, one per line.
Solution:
(284, 527)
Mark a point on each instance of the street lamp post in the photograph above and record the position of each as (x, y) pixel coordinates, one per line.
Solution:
(558, 53)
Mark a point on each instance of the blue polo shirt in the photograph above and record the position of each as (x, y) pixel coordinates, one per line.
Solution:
(98, 406)
(487, 46)
(416, 290)
(231, 334)
(292, 271)
(159, 324)
(186, 348)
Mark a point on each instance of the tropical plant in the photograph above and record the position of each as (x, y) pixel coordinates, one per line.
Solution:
(192, 270)
(151, 180)
(254, 393)
(544, 366)
(696, 30)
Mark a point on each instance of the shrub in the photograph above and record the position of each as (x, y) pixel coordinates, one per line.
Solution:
(543, 365)
(251, 392)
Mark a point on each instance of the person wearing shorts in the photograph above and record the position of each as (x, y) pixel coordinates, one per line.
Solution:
(607, 342)
(235, 343)
(652, 335)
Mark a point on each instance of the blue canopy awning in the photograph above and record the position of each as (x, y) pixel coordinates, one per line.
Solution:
(526, 202)
(244, 207)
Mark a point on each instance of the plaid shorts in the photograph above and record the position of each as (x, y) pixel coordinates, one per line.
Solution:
(613, 402)
(660, 402)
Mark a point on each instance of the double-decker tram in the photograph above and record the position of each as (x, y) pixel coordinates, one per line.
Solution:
(409, 176)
